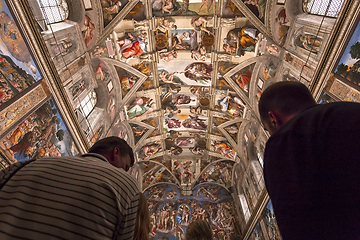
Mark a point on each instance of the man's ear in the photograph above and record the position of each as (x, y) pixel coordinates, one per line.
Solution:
(113, 154)
(273, 119)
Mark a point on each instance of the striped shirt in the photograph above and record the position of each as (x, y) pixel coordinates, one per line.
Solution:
(82, 197)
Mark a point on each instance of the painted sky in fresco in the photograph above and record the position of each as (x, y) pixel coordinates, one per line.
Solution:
(346, 58)
(4, 51)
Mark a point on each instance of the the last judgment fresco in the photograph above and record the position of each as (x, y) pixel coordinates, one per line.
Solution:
(171, 211)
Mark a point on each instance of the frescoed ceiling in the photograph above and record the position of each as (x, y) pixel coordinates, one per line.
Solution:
(180, 81)
(189, 74)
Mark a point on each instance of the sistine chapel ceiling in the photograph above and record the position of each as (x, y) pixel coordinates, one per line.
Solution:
(180, 82)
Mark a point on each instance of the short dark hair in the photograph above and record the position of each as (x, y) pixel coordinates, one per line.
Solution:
(287, 97)
(106, 145)
(199, 230)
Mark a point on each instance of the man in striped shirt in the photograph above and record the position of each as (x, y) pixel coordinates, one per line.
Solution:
(89, 196)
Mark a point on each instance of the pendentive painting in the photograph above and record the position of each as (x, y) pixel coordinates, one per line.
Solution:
(111, 8)
(258, 7)
(230, 9)
(243, 77)
(17, 68)
(218, 172)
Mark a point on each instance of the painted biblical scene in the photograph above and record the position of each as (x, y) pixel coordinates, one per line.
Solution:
(170, 101)
(171, 213)
(184, 171)
(13, 79)
(138, 12)
(185, 73)
(212, 192)
(281, 26)
(138, 131)
(185, 143)
(230, 10)
(229, 103)
(223, 68)
(176, 38)
(111, 8)
(218, 172)
(161, 192)
(217, 121)
(148, 150)
(77, 88)
(271, 226)
(153, 173)
(223, 148)
(88, 30)
(154, 122)
(233, 131)
(127, 80)
(101, 70)
(162, 8)
(269, 69)
(243, 77)
(307, 41)
(140, 107)
(184, 104)
(17, 68)
(258, 7)
(199, 147)
(146, 68)
(180, 145)
(349, 64)
(132, 44)
(239, 41)
(181, 39)
(182, 122)
(41, 134)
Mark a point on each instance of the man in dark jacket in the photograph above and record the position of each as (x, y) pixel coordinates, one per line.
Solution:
(312, 163)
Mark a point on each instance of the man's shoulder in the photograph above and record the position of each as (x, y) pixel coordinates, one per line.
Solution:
(344, 106)
(322, 117)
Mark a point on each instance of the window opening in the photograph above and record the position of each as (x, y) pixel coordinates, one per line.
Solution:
(329, 8)
(54, 10)
(88, 103)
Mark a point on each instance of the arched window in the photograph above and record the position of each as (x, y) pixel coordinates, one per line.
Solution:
(329, 8)
(54, 10)
(88, 103)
